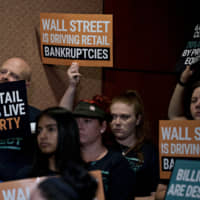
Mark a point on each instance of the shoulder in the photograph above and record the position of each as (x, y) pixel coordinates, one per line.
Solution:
(33, 113)
(24, 172)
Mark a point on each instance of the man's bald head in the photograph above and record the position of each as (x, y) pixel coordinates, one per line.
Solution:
(15, 69)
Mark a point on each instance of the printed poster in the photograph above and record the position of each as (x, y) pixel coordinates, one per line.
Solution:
(191, 53)
(178, 139)
(83, 38)
(185, 181)
(21, 189)
(14, 123)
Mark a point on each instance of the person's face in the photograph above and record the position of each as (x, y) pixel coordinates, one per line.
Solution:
(13, 70)
(124, 121)
(47, 135)
(36, 195)
(90, 130)
(195, 104)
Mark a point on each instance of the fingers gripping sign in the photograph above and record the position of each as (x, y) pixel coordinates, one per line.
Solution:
(73, 74)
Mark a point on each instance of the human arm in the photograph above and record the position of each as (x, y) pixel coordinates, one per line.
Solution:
(67, 100)
(161, 191)
(176, 105)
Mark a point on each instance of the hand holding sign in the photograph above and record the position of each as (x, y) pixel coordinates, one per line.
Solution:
(73, 74)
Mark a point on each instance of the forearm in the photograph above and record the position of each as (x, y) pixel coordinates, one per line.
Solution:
(68, 98)
(176, 105)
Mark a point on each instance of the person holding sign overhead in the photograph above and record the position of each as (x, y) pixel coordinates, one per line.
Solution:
(185, 100)
(129, 134)
(184, 105)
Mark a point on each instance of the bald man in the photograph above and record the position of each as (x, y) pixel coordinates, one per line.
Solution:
(15, 69)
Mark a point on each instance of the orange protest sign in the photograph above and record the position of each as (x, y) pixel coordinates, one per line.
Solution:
(100, 191)
(145, 198)
(177, 139)
(21, 189)
(84, 38)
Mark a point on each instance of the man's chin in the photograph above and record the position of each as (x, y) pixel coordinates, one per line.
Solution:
(3, 81)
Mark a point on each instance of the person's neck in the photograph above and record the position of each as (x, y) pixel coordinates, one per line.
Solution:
(93, 152)
(52, 165)
(128, 142)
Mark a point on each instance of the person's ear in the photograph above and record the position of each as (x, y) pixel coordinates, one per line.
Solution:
(103, 127)
(139, 119)
(28, 83)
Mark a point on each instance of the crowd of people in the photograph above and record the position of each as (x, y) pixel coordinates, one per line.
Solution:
(95, 134)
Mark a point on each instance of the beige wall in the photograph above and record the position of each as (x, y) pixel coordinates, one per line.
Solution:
(19, 31)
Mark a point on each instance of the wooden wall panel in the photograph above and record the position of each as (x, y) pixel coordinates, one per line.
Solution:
(19, 31)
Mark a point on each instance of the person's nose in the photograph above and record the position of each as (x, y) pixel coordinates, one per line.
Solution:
(117, 120)
(198, 103)
(42, 134)
(79, 123)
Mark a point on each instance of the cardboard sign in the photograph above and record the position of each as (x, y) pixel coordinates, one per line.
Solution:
(177, 139)
(100, 191)
(145, 198)
(21, 189)
(14, 123)
(191, 53)
(84, 38)
(185, 181)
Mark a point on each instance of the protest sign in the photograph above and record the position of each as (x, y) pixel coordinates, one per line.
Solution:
(177, 139)
(21, 189)
(14, 123)
(191, 53)
(85, 38)
(185, 181)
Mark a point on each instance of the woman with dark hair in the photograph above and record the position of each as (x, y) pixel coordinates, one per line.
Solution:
(74, 184)
(128, 127)
(58, 143)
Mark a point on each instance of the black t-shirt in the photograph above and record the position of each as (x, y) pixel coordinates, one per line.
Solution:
(144, 161)
(118, 178)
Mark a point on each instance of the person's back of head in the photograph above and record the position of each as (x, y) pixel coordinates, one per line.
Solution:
(74, 184)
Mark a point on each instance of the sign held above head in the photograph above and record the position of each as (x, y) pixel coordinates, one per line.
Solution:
(84, 38)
